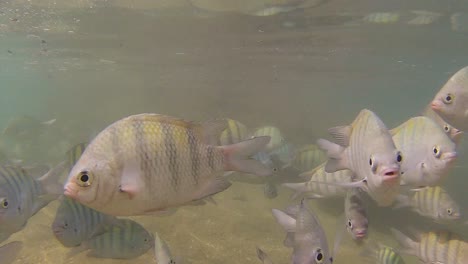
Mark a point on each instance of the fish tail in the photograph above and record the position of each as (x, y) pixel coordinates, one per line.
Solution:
(50, 181)
(408, 246)
(261, 255)
(299, 189)
(238, 156)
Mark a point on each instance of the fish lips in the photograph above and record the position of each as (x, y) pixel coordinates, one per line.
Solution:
(69, 191)
(449, 156)
(437, 105)
(391, 174)
(359, 234)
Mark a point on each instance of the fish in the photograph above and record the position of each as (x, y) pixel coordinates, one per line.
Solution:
(454, 133)
(378, 253)
(9, 252)
(162, 255)
(22, 196)
(263, 257)
(459, 22)
(424, 17)
(234, 133)
(314, 189)
(269, 190)
(435, 247)
(451, 102)
(75, 223)
(434, 202)
(277, 139)
(25, 127)
(124, 240)
(310, 243)
(149, 163)
(357, 222)
(366, 148)
(429, 153)
(309, 157)
(382, 17)
(74, 153)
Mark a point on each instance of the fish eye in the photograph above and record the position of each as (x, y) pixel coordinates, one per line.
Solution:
(448, 99)
(4, 203)
(449, 211)
(84, 178)
(399, 158)
(319, 257)
(350, 224)
(372, 164)
(436, 151)
(446, 128)
(370, 161)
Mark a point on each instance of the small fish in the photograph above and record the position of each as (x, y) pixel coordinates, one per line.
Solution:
(356, 214)
(435, 247)
(75, 223)
(234, 133)
(366, 148)
(382, 17)
(22, 196)
(380, 254)
(124, 240)
(162, 255)
(455, 134)
(277, 139)
(459, 22)
(283, 155)
(451, 102)
(263, 257)
(314, 189)
(310, 245)
(429, 153)
(424, 17)
(25, 127)
(149, 163)
(433, 202)
(9, 252)
(309, 157)
(269, 190)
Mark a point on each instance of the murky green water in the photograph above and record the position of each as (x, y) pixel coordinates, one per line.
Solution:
(89, 63)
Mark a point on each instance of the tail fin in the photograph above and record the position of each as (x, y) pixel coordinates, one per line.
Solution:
(238, 156)
(299, 188)
(334, 151)
(263, 256)
(9, 252)
(50, 181)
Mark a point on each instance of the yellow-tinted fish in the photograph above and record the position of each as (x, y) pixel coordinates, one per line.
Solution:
(277, 139)
(424, 17)
(433, 202)
(147, 163)
(366, 148)
(429, 153)
(382, 17)
(451, 102)
(317, 186)
(234, 133)
(380, 254)
(309, 157)
(439, 247)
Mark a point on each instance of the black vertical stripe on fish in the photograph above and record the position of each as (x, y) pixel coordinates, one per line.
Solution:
(229, 134)
(143, 151)
(239, 135)
(171, 151)
(194, 155)
(210, 155)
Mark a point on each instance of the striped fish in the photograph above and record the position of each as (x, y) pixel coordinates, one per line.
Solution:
(382, 17)
(234, 133)
(356, 214)
(75, 223)
(366, 148)
(124, 240)
(433, 202)
(452, 132)
(9, 252)
(162, 255)
(438, 247)
(149, 163)
(378, 253)
(277, 139)
(429, 153)
(309, 157)
(22, 196)
(318, 187)
(74, 154)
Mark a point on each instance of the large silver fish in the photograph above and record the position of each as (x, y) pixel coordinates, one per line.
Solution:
(366, 148)
(148, 163)
(451, 102)
(429, 153)
(310, 245)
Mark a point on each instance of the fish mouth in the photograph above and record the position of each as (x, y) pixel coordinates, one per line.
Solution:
(70, 192)
(360, 234)
(449, 156)
(436, 105)
(390, 175)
